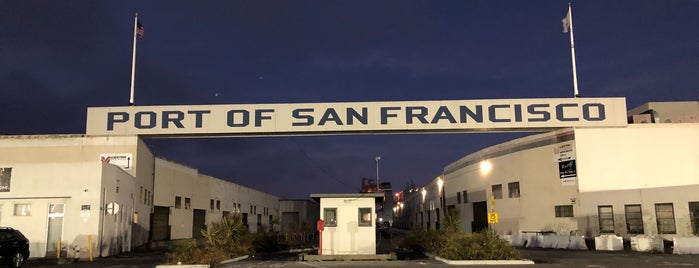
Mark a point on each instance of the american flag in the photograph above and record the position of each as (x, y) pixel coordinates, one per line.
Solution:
(139, 29)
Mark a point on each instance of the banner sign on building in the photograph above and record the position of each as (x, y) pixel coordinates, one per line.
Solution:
(357, 117)
(124, 161)
(564, 155)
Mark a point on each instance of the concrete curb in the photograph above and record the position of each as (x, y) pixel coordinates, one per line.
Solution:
(480, 262)
(235, 259)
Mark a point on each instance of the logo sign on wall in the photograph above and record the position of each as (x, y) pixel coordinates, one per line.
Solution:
(357, 117)
(564, 155)
(124, 161)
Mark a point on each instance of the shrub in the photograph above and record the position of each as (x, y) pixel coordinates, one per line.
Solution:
(422, 240)
(265, 242)
(222, 240)
(485, 245)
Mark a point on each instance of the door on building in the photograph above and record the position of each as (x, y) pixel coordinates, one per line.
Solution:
(480, 216)
(289, 221)
(198, 223)
(160, 225)
(54, 233)
(694, 216)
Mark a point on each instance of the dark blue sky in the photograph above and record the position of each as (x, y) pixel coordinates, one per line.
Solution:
(59, 57)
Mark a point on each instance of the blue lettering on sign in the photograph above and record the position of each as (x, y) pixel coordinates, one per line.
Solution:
(385, 115)
(518, 112)
(532, 109)
(443, 113)
(353, 114)
(116, 117)
(308, 118)
(244, 118)
(151, 122)
(177, 120)
(198, 117)
(149, 119)
(330, 115)
(259, 116)
(600, 112)
(560, 115)
(418, 112)
(492, 114)
(467, 112)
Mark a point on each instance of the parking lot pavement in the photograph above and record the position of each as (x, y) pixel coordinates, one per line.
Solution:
(139, 258)
(541, 257)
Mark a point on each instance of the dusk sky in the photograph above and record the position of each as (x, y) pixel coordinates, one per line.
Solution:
(57, 58)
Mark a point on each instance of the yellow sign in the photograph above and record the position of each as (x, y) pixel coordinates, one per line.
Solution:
(493, 217)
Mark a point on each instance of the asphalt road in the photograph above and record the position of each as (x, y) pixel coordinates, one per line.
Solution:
(541, 258)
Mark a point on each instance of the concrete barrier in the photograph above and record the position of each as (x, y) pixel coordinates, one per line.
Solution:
(645, 243)
(685, 245)
(609, 242)
(516, 240)
(546, 241)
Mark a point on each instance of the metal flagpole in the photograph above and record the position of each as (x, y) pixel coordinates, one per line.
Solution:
(133, 59)
(572, 51)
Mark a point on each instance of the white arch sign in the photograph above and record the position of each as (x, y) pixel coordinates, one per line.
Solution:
(497, 115)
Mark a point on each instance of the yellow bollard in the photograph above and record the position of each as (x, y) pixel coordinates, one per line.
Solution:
(89, 243)
(58, 250)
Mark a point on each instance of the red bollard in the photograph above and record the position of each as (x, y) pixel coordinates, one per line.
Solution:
(320, 225)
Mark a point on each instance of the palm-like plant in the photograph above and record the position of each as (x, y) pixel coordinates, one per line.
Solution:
(451, 222)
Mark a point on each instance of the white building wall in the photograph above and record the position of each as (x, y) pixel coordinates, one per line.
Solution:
(172, 180)
(67, 169)
(644, 164)
(638, 156)
(540, 188)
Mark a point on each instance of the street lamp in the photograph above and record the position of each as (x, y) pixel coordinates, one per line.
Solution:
(378, 185)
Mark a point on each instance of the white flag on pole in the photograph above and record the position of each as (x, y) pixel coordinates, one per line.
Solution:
(566, 22)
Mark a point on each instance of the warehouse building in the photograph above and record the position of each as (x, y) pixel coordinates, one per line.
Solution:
(639, 179)
(106, 195)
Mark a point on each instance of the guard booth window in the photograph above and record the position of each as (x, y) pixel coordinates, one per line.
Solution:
(330, 217)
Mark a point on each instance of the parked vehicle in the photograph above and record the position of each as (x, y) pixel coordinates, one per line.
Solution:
(14, 247)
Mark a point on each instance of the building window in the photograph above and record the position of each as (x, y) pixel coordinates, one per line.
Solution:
(330, 217)
(665, 216)
(465, 197)
(187, 203)
(211, 204)
(565, 211)
(365, 218)
(513, 189)
(178, 201)
(634, 219)
(497, 191)
(606, 219)
(23, 209)
(218, 204)
(458, 197)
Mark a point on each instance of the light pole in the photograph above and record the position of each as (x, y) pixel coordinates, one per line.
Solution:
(378, 185)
